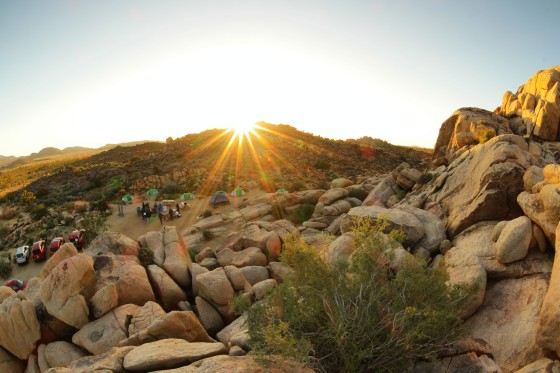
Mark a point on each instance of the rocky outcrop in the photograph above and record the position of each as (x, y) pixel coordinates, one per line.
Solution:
(19, 327)
(67, 289)
(511, 308)
(112, 243)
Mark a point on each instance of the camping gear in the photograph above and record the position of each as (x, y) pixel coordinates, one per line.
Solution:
(187, 196)
(127, 198)
(219, 198)
(281, 190)
(238, 192)
(152, 192)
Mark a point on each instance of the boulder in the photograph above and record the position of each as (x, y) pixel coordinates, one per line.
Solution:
(110, 361)
(129, 277)
(532, 177)
(508, 320)
(514, 240)
(251, 256)
(483, 183)
(541, 365)
(32, 366)
(170, 353)
(67, 289)
(209, 316)
(19, 327)
(332, 195)
(434, 228)
(104, 300)
(62, 354)
(464, 268)
(542, 208)
(114, 243)
(396, 219)
(168, 292)
(101, 335)
(238, 364)
(478, 241)
(341, 248)
(5, 292)
(236, 333)
(260, 289)
(64, 252)
(176, 324)
(144, 316)
(197, 270)
(279, 271)
(215, 287)
(254, 274)
(236, 278)
(381, 193)
(341, 182)
(9, 363)
(549, 320)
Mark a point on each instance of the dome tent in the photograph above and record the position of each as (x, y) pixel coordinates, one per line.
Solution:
(281, 190)
(152, 192)
(219, 198)
(238, 192)
(127, 198)
(187, 196)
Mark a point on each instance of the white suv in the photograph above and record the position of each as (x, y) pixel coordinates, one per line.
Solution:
(22, 254)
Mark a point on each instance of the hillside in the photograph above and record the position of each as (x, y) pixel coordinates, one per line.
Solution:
(274, 156)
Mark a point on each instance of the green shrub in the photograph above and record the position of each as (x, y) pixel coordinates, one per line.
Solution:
(145, 256)
(94, 225)
(171, 188)
(357, 315)
(297, 186)
(358, 193)
(5, 269)
(322, 165)
(39, 211)
(241, 303)
(207, 234)
(304, 212)
(207, 213)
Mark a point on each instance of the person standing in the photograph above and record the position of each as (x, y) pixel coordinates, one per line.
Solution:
(160, 217)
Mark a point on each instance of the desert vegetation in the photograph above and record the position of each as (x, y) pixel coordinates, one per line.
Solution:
(356, 315)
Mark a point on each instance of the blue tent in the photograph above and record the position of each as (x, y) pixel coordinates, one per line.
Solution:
(219, 198)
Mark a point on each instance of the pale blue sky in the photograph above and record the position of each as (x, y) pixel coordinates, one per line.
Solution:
(95, 72)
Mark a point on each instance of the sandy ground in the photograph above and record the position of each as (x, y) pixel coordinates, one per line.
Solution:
(133, 226)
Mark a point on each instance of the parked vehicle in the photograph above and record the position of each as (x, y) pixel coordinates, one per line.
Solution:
(55, 245)
(22, 254)
(39, 250)
(16, 285)
(77, 238)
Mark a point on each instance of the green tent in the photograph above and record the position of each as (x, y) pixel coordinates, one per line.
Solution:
(281, 190)
(238, 192)
(152, 192)
(127, 198)
(187, 196)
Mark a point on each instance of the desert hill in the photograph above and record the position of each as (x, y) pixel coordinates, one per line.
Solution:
(480, 225)
(274, 156)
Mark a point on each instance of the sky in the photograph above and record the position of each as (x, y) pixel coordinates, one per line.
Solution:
(89, 73)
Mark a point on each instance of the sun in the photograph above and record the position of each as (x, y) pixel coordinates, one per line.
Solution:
(242, 129)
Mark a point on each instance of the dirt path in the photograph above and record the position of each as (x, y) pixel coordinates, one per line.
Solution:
(133, 226)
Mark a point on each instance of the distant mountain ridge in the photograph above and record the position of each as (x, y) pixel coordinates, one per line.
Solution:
(7, 162)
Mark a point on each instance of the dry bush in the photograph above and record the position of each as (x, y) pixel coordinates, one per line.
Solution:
(9, 213)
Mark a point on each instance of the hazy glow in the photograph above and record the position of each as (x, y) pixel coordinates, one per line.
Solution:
(95, 72)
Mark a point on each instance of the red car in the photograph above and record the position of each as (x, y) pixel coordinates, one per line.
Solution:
(39, 251)
(55, 245)
(77, 238)
(16, 285)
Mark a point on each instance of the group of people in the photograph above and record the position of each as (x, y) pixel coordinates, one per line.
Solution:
(146, 212)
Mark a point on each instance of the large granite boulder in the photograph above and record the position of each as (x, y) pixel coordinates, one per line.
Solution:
(130, 278)
(483, 183)
(62, 353)
(167, 290)
(67, 289)
(101, 335)
(396, 219)
(19, 327)
(170, 353)
(464, 268)
(9, 363)
(216, 288)
(112, 243)
(508, 320)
